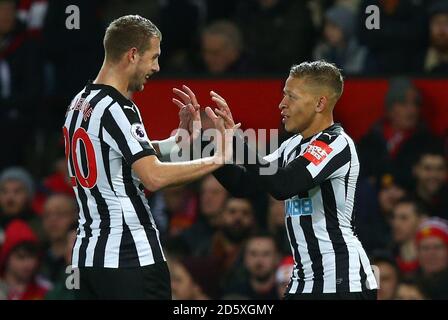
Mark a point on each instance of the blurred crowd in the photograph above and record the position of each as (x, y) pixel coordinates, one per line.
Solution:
(218, 246)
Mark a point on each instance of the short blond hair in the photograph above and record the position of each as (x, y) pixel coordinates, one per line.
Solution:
(320, 73)
(131, 31)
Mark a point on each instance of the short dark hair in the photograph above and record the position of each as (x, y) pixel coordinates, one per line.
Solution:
(127, 32)
(321, 73)
(433, 148)
(29, 247)
(420, 208)
(263, 234)
(384, 256)
(248, 200)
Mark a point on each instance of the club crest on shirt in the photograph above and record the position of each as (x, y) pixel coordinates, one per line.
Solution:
(138, 132)
(317, 152)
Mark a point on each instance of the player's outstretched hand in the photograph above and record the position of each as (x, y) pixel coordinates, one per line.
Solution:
(189, 111)
(223, 110)
(225, 137)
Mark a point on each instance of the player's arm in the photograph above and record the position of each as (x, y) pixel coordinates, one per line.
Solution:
(237, 180)
(241, 182)
(280, 182)
(156, 175)
(189, 124)
(300, 175)
(123, 131)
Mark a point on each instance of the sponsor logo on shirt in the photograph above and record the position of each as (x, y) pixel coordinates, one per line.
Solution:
(317, 152)
(298, 207)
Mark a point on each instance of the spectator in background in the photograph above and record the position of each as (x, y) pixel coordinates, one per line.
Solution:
(16, 194)
(388, 273)
(237, 224)
(57, 181)
(32, 14)
(410, 290)
(319, 7)
(181, 207)
(398, 43)
(283, 275)
(261, 258)
(217, 10)
(339, 44)
(430, 173)
(373, 221)
(436, 57)
(432, 245)
(60, 213)
(278, 32)
(197, 239)
(276, 225)
(157, 205)
(51, 173)
(60, 290)
(352, 4)
(407, 216)
(19, 263)
(393, 143)
(194, 278)
(180, 22)
(62, 47)
(113, 9)
(20, 86)
(222, 50)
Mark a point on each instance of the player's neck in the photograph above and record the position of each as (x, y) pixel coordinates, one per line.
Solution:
(317, 127)
(111, 75)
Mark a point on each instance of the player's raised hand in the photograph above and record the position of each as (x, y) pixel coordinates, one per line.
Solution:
(189, 111)
(224, 145)
(223, 109)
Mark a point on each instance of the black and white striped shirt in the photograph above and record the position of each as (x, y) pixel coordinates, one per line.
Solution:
(317, 179)
(104, 135)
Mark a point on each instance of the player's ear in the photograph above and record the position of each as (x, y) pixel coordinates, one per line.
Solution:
(322, 103)
(132, 55)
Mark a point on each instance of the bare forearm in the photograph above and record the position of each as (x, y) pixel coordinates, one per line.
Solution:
(156, 175)
(176, 173)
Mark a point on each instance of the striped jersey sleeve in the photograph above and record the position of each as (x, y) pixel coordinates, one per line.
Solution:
(278, 154)
(304, 165)
(125, 133)
(326, 157)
